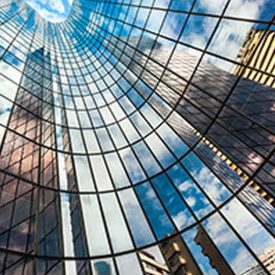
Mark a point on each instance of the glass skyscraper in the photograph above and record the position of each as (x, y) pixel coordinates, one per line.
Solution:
(135, 140)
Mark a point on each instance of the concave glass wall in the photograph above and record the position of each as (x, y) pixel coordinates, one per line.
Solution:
(137, 137)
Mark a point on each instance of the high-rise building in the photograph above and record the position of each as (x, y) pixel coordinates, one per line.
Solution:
(151, 266)
(232, 134)
(268, 259)
(210, 250)
(257, 56)
(178, 257)
(127, 145)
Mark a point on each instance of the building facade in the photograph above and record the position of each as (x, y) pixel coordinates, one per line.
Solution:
(210, 250)
(151, 266)
(128, 146)
(178, 257)
(257, 52)
(268, 259)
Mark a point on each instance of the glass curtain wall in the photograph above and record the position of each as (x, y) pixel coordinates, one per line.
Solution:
(137, 136)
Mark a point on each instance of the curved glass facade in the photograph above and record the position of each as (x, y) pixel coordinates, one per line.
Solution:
(137, 136)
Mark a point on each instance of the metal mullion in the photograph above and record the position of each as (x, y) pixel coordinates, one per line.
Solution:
(28, 77)
(141, 165)
(107, 167)
(152, 185)
(131, 184)
(216, 208)
(95, 186)
(82, 38)
(5, 136)
(115, 190)
(215, 120)
(202, 56)
(179, 11)
(75, 193)
(98, 196)
(2, 5)
(224, 104)
(79, 69)
(226, 201)
(12, 16)
(41, 195)
(52, 257)
(228, 106)
(21, 196)
(180, 196)
(117, 84)
(57, 196)
(169, 68)
(132, 187)
(190, 46)
(14, 38)
(54, 200)
(173, 164)
(243, 242)
(125, 171)
(157, 35)
(74, 169)
(137, 158)
(206, 115)
(4, 271)
(17, 94)
(235, 193)
(11, 28)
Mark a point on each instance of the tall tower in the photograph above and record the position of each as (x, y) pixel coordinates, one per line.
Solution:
(257, 52)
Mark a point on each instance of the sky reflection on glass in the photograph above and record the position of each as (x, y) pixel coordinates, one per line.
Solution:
(52, 10)
(102, 120)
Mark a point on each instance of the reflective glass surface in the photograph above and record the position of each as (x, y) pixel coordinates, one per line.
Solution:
(137, 136)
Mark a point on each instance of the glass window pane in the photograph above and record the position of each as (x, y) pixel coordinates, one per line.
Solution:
(96, 236)
(117, 228)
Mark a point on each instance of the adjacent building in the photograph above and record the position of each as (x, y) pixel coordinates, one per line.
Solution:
(151, 266)
(178, 257)
(268, 260)
(210, 250)
(242, 135)
(256, 57)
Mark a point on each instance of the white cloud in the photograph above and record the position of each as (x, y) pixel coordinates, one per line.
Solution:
(231, 34)
(247, 226)
(191, 201)
(252, 231)
(57, 5)
(180, 220)
(51, 10)
(185, 186)
(210, 184)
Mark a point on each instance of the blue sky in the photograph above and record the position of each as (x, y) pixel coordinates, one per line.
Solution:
(52, 10)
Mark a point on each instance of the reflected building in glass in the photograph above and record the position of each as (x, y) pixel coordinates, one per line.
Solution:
(178, 257)
(259, 53)
(268, 259)
(210, 250)
(151, 265)
(130, 144)
(102, 268)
